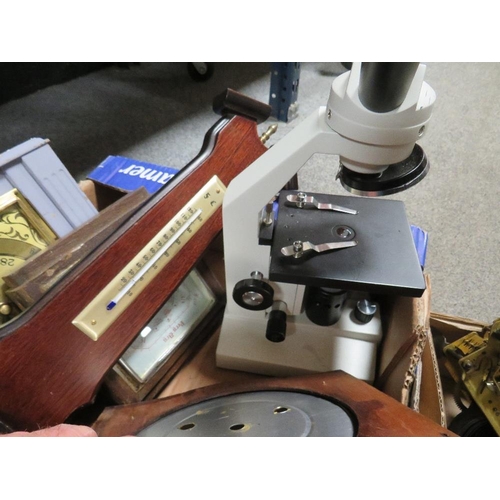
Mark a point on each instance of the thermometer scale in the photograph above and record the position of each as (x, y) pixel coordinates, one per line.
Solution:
(153, 259)
(124, 288)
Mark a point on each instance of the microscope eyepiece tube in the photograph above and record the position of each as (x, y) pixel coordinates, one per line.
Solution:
(383, 85)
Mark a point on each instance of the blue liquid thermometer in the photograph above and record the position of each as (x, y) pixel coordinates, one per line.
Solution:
(152, 261)
(124, 288)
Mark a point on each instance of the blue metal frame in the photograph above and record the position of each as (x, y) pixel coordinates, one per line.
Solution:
(284, 90)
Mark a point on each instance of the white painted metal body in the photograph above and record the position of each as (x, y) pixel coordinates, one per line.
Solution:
(365, 138)
(348, 345)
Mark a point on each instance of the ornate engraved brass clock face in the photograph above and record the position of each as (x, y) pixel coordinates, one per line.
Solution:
(23, 233)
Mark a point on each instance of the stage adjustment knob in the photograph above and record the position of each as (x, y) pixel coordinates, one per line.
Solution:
(253, 294)
(276, 323)
(365, 310)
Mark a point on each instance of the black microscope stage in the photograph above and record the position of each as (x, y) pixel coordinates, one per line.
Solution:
(384, 260)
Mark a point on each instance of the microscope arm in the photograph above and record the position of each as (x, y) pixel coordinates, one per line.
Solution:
(251, 191)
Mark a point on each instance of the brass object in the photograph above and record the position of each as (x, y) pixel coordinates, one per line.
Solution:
(5, 309)
(268, 133)
(475, 361)
(122, 290)
(23, 233)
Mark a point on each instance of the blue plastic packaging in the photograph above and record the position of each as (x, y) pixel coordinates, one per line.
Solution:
(126, 174)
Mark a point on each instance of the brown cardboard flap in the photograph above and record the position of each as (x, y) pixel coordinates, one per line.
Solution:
(100, 195)
(406, 321)
(431, 391)
(408, 369)
(88, 187)
(454, 327)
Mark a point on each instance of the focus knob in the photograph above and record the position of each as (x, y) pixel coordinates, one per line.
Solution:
(253, 294)
(365, 310)
(276, 322)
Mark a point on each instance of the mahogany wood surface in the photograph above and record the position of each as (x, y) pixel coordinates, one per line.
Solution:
(48, 367)
(375, 414)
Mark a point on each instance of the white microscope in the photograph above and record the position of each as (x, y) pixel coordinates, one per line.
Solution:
(302, 268)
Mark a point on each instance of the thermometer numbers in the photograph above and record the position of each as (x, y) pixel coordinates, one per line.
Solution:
(128, 284)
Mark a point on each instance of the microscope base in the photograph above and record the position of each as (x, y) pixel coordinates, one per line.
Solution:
(348, 345)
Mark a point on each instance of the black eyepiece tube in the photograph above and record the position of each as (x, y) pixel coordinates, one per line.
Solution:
(383, 85)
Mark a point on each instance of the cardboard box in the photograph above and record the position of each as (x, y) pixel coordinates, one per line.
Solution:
(117, 175)
(408, 365)
(126, 174)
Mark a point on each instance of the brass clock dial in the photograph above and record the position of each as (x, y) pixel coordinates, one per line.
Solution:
(23, 233)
